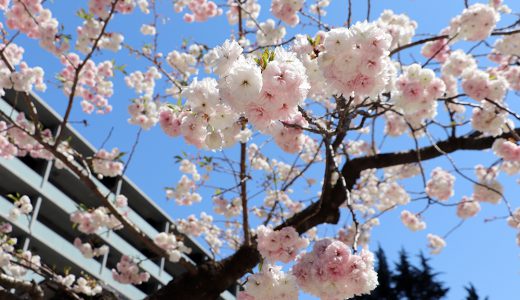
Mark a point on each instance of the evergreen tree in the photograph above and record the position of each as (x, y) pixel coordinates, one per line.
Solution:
(472, 293)
(405, 281)
(405, 277)
(426, 286)
(385, 289)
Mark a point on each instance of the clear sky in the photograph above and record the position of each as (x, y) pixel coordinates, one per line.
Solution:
(478, 252)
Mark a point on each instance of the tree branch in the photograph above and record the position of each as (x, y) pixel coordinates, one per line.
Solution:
(213, 277)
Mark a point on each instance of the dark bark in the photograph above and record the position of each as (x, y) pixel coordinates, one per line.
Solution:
(212, 278)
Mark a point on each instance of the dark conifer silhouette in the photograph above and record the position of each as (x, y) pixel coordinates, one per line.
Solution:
(408, 282)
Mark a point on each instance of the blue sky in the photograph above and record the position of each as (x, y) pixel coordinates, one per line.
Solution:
(478, 252)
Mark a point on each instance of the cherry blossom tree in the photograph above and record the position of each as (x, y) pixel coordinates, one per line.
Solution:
(317, 96)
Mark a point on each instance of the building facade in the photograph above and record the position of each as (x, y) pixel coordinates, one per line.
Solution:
(56, 193)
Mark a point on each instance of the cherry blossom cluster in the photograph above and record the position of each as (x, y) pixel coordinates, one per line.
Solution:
(416, 92)
(23, 78)
(89, 221)
(499, 6)
(22, 206)
(372, 193)
(188, 167)
(439, 49)
(481, 85)
(81, 285)
(6, 247)
(348, 234)
(488, 119)
(173, 247)
(268, 34)
(271, 283)
(29, 17)
(144, 110)
(412, 221)
(475, 23)
(201, 10)
(331, 271)
(399, 26)
(514, 219)
(453, 67)
(357, 147)
(87, 250)
(121, 201)
(440, 185)
(268, 97)
(367, 192)
(467, 208)
(506, 150)
(184, 193)
(184, 62)
(392, 194)
(320, 89)
(15, 263)
(487, 189)
(202, 97)
(26, 261)
(16, 140)
(127, 272)
(226, 208)
(355, 60)
(251, 6)
(92, 82)
(318, 8)
(512, 75)
(402, 171)
(287, 10)
(395, 124)
(143, 83)
(514, 222)
(279, 245)
(219, 131)
(90, 31)
(101, 8)
(204, 225)
(510, 167)
(148, 29)
(7, 149)
(457, 62)
(435, 243)
(508, 45)
(277, 197)
(273, 94)
(107, 164)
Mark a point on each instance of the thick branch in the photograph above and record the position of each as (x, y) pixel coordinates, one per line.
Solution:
(212, 277)
(31, 288)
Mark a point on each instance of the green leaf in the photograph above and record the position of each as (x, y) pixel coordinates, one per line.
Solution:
(271, 56)
(121, 154)
(83, 207)
(15, 198)
(311, 41)
(121, 68)
(84, 15)
(60, 78)
(317, 41)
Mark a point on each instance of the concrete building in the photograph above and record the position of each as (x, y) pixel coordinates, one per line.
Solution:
(57, 192)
